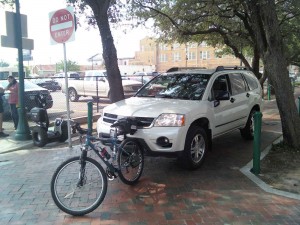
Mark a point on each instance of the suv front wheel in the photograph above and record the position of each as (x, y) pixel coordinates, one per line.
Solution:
(196, 146)
(248, 131)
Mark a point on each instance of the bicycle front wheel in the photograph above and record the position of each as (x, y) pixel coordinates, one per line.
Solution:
(76, 189)
(130, 161)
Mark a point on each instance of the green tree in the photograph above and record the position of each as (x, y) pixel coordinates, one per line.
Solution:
(71, 66)
(101, 13)
(224, 24)
(266, 26)
(7, 2)
(289, 21)
(3, 64)
(260, 26)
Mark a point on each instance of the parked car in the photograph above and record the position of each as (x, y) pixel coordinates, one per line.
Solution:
(60, 77)
(180, 113)
(293, 77)
(47, 83)
(89, 85)
(71, 75)
(30, 90)
(142, 77)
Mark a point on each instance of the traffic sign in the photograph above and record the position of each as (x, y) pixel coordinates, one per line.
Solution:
(62, 25)
(10, 39)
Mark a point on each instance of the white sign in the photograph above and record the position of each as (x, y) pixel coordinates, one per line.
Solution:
(62, 25)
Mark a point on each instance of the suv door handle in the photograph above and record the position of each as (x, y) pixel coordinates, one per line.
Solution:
(247, 95)
(232, 100)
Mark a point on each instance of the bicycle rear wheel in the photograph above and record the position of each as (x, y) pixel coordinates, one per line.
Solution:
(78, 196)
(130, 161)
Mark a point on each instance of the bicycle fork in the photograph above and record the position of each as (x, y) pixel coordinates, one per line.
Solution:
(81, 177)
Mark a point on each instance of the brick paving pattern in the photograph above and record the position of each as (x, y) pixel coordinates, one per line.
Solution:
(217, 193)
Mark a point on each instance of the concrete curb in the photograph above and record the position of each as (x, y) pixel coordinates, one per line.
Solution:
(13, 149)
(246, 171)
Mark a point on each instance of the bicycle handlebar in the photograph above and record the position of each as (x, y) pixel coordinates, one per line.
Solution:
(77, 127)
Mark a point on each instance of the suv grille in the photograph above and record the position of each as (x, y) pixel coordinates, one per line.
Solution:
(143, 122)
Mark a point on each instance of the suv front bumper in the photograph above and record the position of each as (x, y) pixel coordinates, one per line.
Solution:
(175, 135)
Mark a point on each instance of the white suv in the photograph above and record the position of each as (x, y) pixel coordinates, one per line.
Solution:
(181, 112)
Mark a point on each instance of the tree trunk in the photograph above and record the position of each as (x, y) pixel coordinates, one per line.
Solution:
(255, 63)
(100, 9)
(267, 33)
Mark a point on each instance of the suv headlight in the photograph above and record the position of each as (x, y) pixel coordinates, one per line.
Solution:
(170, 120)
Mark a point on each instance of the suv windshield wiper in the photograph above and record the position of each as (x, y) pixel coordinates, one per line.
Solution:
(164, 96)
(142, 95)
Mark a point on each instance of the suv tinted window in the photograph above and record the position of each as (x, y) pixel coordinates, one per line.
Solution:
(220, 86)
(251, 80)
(237, 84)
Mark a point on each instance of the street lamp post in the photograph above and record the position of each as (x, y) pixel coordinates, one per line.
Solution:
(22, 132)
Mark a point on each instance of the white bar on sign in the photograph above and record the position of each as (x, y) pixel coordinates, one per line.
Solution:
(61, 26)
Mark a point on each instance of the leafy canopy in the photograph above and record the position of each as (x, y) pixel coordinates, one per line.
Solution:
(71, 66)
(221, 23)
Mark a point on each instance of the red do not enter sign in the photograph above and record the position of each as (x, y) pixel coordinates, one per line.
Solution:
(62, 25)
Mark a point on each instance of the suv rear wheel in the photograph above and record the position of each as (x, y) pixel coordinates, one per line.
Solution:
(196, 146)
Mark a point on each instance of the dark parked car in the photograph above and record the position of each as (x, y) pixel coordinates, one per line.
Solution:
(31, 91)
(47, 83)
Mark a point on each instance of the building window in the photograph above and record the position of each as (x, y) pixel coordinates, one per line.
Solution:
(149, 48)
(191, 45)
(204, 55)
(163, 58)
(176, 46)
(163, 46)
(176, 57)
(191, 55)
(203, 44)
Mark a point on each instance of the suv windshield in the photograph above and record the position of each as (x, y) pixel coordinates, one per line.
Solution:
(177, 86)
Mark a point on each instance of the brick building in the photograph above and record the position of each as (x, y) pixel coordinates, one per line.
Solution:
(162, 56)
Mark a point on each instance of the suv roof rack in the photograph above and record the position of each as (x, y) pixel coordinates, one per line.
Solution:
(221, 68)
(173, 69)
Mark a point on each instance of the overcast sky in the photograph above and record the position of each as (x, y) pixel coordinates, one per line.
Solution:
(87, 42)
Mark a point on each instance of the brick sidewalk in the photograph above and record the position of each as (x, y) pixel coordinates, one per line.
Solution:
(217, 193)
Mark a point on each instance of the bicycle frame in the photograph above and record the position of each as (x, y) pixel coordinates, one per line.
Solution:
(88, 144)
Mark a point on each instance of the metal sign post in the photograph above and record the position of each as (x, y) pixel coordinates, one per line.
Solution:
(67, 96)
(62, 30)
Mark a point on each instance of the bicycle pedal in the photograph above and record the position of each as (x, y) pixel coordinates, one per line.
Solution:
(110, 175)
